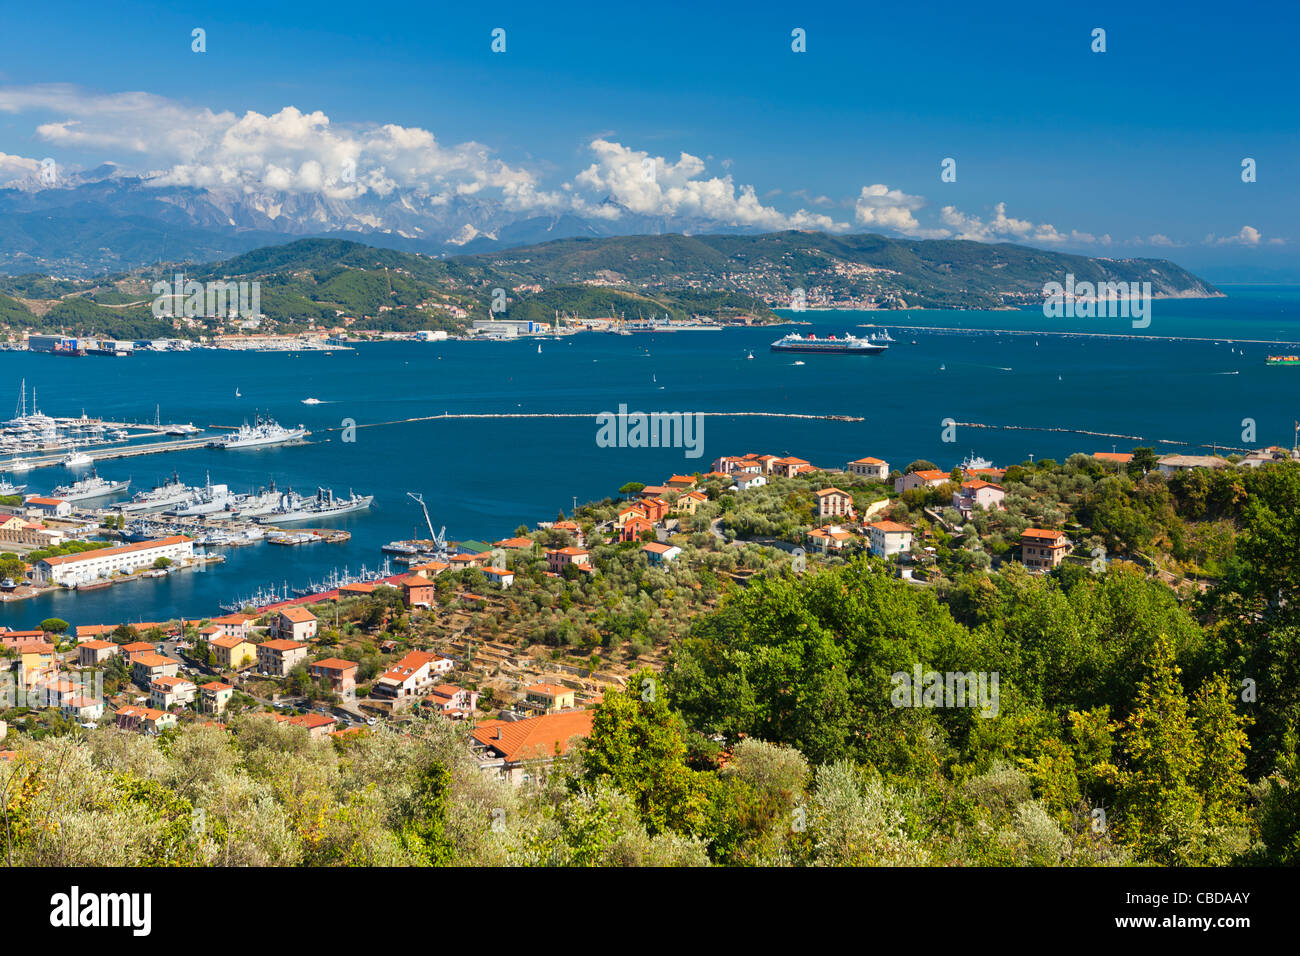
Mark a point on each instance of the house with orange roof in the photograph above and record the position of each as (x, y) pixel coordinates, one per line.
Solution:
(214, 697)
(280, 656)
(978, 494)
(869, 467)
(521, 750)
(1118, 457)
(16, 638)
(33, 534)
(357, 589)
(634, 528)
(168, 692)
(49, 507)
(137, 649)
(418, 591)
(452, 701)
(294, 624)
(82, 709)
(557, 559)
(889, 538)
(681, 482)
(749, 479)
(411, 676)
(87, 631)
(789, 467)
(430, 569)
(233, 653)
(548, 698)
(925, 478)
(316, 725)
(658, 552)
(571, 528)
(628, 513)
(1042, 549)
(689, 502)
(338, 674)
(94, 653)
(502, 577)
(145, 720)
(831, 537)
(834, 503)
(515, 544)
(234, 625)
(149, 667)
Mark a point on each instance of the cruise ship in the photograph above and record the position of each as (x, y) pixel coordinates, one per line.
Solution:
(263, 431)
(171, 492)
(846, 345)
(92, 486)
(294, 507)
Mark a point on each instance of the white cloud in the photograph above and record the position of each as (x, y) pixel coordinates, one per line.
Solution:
(15, 168)
(1002, 227)
(653, 186)
(884, 208)
(1249, 236)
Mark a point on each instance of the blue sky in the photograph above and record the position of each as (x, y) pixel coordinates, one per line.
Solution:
(1136, 151)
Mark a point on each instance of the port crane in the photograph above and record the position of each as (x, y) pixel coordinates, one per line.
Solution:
(439, 539)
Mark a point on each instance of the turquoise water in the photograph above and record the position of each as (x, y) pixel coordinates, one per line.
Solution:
(482, 478)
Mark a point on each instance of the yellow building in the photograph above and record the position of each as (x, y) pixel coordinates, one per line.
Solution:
(233, 653)
(548, 698)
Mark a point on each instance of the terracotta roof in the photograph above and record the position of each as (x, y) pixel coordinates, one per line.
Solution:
(135, 646)
(931, 474)
(416, 581)
(978, 483)
(535, 737)
(868, 461)
(229, 643)
(154, 660)
(549, 689)
(890, 527)
(35, 647)
(97, 645)
(122, 549)
(299, 615)
(334, 664)
(1122, 457)
(43, 501)
(658, 547)
(216, 686)
(1041, 533)
(515, 543)
(170, 682)
(93, 630)
(832, 491)
(312, 721)
(282, 645)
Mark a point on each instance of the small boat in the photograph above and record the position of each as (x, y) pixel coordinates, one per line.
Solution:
(311, 401)
(799, 362)
(539, 348)
(750, 355)
(237, 395)
(943, 368)
(78, 459)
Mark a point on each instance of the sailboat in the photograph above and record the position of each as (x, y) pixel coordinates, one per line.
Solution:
(943, 367)
(539, 348)
(750, 355)
(237, 395)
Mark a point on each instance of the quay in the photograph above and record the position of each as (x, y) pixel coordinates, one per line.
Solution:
(594, 415)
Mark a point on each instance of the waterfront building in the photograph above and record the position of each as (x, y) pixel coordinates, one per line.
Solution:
(102, 564)
(869, 468)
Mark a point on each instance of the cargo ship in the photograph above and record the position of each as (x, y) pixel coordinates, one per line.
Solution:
(1283, 360)
(846, 345)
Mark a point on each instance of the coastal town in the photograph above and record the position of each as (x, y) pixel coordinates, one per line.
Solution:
(489, 635)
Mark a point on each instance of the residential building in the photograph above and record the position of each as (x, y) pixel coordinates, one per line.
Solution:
(831, 537)
(628, 513)
(452, 701)
(279, 656)
(869, 468)
(215, 696)
(834, 503)
(94, 653)
(1041, 549)
(82, 709)
(149, 667)
(411, 676)
(146, 720)
(31, 534)
(294, 624)
(238, 624)
(788, 467)
(500, 576)
(48, 507)
(690, 501)
(977, 494)
(418, 591)
(101, 564)
(747, 480)
(925, 478)
(681, 481)
(521, 750)
(659, 553)
(316, 725)
(1172, 464)
(558, 558)
(889, 538)
(340, 675)
(634, 528)
(548, 698)
(168, 692)
(233, 653)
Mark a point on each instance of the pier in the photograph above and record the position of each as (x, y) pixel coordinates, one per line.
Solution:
(446, 416)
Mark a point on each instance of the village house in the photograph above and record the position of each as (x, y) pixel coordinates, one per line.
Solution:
(94, 653)
(559, 558)
(656, 509)
(86, 632)
(411, 676)
(1120, 458)
(548, 698)
(869, 468)
(279, 656)
(294, 624)
(834, 503)
(926, 478)
(149, 667)
(515, 544)
(1041, 549)
(789, 467)
(31, 534)
(831, 537)
(889, 538)
(418, 591)
(977, 494)
(16, 638)
(634, 528)
(82, 709)
(520, 751)
(339, 675)
(317, 726)
(571, 528)
(168, 692)
(680, 482)
(215, 696)
(659, 553)
(749, 480)
(452, 701)
(627, 513)
(1172, 464)
(137, 649)
(500, 576)
(146, 720)
(35, 659)
(690, 501)
(357, 589)
(234, 625)
(232, 653)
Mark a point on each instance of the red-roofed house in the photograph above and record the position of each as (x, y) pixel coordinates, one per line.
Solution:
(558, 558)
(144, 719)
(294, 624)
(977, 493)
(888, 538)
(418, 591)
(548, 698)
(633, 528)
(869, 467)
(279, 656)
(341, 675)
(834, 503)
(659, 553)
(215, 696)
(518, 750)
(411, 676)
(232, 653)
(452, 701)
(926, 478)
(1041, 549)
(168, 692)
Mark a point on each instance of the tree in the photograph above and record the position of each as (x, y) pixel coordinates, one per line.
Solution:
(54, 625)
(1144, 460)
(161, 563)
(632, 488)
(424, 831)
(921, 464)
(636, 744)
